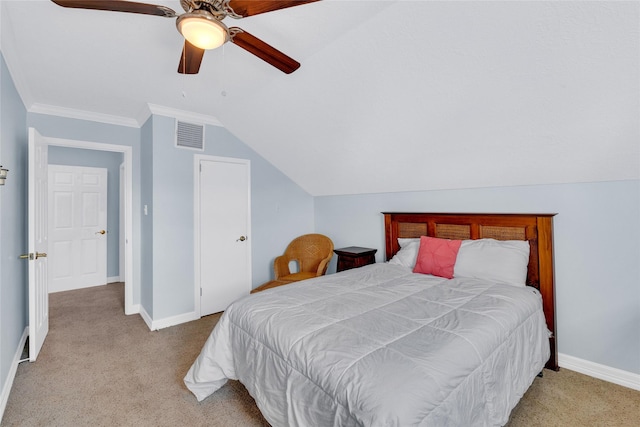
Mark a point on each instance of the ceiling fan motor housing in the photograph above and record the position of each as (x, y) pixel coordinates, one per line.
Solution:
(215, 7)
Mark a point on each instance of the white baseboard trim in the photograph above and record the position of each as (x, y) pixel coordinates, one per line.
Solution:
(174, 320)
(74, 288)
(147, 319)
(154, 325)
(6, 388)
(135, 309)
(606, 373)
(113, 279)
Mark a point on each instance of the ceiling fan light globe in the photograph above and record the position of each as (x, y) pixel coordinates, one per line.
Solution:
(202, 30)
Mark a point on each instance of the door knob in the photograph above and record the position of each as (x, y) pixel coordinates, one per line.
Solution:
(241, 239)
(26, 256)
(101, 232)
(41, 255)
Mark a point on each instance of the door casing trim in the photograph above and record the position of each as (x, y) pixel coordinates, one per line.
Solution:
(129, 285)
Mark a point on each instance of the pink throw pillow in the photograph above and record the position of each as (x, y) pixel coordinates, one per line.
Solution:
(437, 256)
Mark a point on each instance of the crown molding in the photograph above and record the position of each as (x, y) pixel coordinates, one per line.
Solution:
(186, 116)
(137, 122)
(71, 113)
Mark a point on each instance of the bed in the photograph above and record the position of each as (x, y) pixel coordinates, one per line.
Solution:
(382, 345)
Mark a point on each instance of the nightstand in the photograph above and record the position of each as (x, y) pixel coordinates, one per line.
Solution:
(354, 256)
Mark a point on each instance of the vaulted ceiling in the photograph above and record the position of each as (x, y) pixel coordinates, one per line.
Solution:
(391, 95)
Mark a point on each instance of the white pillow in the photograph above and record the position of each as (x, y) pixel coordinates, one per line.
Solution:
(407, 254)
(503, 261)
(404, 241)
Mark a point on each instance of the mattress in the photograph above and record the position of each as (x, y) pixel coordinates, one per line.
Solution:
(379, 346)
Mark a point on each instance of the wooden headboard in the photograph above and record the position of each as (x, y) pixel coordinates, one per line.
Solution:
(535, 228)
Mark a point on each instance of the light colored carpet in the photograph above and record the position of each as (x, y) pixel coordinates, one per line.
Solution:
(99, 367)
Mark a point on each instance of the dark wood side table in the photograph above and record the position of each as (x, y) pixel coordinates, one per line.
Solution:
(354, 256)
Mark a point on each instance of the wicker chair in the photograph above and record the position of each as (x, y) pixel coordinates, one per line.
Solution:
(312, 252)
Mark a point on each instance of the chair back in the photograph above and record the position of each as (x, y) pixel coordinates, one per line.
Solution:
(310, 250)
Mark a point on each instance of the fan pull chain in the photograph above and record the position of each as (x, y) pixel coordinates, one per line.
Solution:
(223, 79)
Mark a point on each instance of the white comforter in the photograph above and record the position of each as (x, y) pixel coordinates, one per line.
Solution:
(379, 346)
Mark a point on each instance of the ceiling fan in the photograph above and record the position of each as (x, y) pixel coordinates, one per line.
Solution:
(202, 27)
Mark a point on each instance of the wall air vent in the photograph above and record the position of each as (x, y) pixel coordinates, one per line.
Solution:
(189, 135)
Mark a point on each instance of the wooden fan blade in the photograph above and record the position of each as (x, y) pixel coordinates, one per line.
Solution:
(254, 7)
(263, 51)
(118, 6)
(190, 59)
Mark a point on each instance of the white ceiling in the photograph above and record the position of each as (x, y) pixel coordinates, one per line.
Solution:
(391, 95)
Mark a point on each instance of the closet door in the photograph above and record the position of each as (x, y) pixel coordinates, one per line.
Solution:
(223, 232)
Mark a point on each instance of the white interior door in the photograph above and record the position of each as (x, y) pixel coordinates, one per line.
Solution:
(37, 243)
(77, 227)
(223, 232)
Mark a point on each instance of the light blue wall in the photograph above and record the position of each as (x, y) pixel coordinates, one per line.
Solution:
(110, 161)
(13, 225)
(280, 210)
(172, 214)
(597, 252)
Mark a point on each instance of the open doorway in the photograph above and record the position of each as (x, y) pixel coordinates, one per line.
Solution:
(124, 215)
